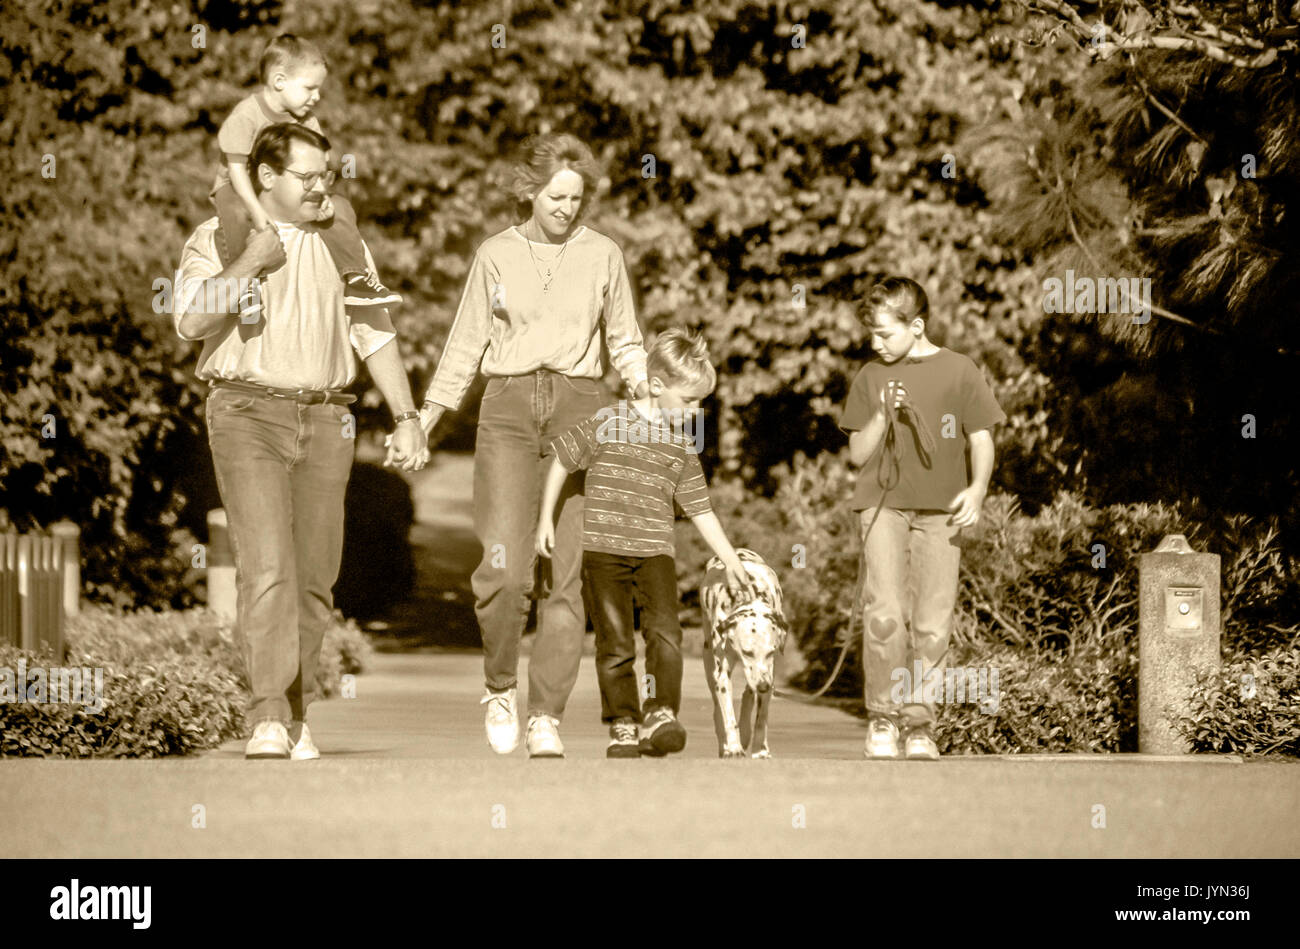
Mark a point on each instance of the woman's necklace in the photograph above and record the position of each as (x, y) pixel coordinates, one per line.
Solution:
(552, 264)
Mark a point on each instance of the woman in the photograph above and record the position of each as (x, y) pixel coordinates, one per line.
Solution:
(530, 318)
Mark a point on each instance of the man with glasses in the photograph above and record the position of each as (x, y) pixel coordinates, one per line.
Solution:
(281, 433)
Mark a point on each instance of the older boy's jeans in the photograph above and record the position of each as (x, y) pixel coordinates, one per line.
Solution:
(518, 418)
(909, 592)
(282, 469)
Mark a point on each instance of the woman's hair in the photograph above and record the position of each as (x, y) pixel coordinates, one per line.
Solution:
(896, 298)
(681, 358)
(542, 156)
(273, 144)
(290, 53)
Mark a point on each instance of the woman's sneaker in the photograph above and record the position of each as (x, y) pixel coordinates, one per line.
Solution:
(270, 740)
(921, 744)
(623, 739)
(502, 720)
(544, 737)
(661, 733)
(304, 749)
(882, 739)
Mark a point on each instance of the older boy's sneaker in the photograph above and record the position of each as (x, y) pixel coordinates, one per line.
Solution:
(364, 289)
(502, 720)
(544, 737)
(304, 749)
(661, 733)
(270, 740)
(623, 739)
(921, 745)
(882, 739)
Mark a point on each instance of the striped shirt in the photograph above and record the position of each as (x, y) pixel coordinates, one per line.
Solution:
(636, 470)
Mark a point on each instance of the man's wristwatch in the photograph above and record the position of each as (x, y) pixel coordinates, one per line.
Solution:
(406, 416)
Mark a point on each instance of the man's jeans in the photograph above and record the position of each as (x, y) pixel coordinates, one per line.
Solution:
(282, 469)
(611, 580)
(909, 593)
(518, 418)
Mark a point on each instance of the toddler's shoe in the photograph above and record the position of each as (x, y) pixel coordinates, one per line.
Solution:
(270, 740)
(882, 739)
(501, 722)
(661, 733)
(921, 745)
(622, 739)
(364, 289)
(544, 737)
(250, 302)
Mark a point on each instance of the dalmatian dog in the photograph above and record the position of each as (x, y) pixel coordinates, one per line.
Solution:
(751, 633)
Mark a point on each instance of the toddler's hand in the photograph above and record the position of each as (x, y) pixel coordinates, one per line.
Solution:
(326, 209)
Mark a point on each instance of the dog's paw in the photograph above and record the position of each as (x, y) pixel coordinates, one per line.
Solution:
(762, 753)
(736, 752)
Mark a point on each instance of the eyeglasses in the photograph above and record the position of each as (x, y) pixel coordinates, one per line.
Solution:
(309, 178)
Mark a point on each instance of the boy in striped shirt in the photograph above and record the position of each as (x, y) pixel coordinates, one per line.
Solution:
(640, 463)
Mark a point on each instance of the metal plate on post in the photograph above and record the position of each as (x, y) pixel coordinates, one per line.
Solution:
(1184, 610)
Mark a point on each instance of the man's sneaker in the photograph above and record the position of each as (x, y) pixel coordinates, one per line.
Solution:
(882, 739)
(622, 739)
(270, 740)
(250, 302)
(304, 749)
(364, 289)
(661, 733)
(501, 720)
(921, 745)
(544, 737)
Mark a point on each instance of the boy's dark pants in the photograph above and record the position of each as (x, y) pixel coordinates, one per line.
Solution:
(610, 581)
(339, 232)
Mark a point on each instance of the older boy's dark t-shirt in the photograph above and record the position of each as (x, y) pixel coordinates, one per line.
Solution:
(951, 395)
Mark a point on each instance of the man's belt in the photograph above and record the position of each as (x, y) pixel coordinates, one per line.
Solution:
(305, 396)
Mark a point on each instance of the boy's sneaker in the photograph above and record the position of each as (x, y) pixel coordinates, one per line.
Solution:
(921, 745)
(882, 739)
(502, 720)
(544, 737)
(250, 302)
(661, 733)
(304, 749)
(270, 740)
(364, 289)
(623, 739)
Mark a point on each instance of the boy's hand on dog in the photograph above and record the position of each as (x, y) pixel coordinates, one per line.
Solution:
(738, 581)
(545, 537)
(965, 507)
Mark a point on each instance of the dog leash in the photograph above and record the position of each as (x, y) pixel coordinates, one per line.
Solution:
(887, 482)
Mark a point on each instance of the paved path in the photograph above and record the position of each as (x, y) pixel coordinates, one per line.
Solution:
(407, 772)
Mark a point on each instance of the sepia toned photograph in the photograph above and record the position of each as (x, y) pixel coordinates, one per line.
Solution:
(650, 429)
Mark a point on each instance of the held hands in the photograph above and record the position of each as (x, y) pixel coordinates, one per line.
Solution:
(407, 446)
(895, 390)
(263, 251)
(965, 507)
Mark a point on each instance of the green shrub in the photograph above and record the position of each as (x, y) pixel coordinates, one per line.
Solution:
(174, 683)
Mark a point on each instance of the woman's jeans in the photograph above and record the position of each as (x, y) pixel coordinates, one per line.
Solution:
(282, 469)
(611, 581)
(518, 418)
(910, 591)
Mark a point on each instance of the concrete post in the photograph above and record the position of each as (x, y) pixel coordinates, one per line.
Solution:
(1178, 636)
(222, 593)
(69, 535)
